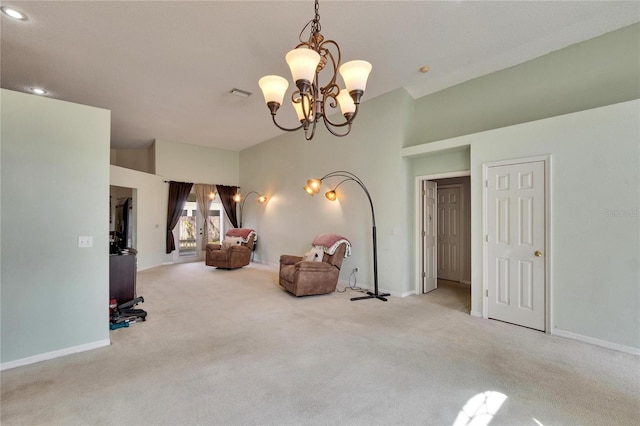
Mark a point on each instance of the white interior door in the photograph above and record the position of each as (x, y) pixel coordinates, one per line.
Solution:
(449, 215)
(429, 251)
(515, 196)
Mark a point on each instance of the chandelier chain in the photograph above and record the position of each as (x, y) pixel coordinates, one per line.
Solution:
(316, 20)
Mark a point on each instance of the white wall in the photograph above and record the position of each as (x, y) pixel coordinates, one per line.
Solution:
(55, 188)
(150, 207)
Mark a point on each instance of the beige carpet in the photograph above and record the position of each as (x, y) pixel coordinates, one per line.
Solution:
(231, 348)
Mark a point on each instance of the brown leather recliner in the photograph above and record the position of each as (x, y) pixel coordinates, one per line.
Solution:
(301, 277)
(232, 256)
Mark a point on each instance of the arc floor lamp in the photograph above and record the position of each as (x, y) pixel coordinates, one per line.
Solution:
(312, 188)
(238, 198)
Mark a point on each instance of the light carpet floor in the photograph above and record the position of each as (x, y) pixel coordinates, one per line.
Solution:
(232, 348)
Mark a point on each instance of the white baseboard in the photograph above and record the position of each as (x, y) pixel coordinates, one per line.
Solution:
(465, 282)
(597, 342)
(403, 294)
(54, 354)
(476, 314)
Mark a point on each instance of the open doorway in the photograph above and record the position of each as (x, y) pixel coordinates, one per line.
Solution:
(122, 218)
(444, 230)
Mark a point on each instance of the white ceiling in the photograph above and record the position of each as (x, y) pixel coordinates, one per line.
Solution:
(165, 68)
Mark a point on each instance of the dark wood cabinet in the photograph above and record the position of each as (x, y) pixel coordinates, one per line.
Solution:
(122, 277)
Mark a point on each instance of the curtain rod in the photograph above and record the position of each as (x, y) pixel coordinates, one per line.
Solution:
(169, 181)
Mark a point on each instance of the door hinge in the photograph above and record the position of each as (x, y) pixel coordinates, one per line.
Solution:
(424, 275)
(424, 233)
(486, 238)
(486, 183)
(486, 293)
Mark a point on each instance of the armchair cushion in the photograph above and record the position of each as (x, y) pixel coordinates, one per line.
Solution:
(316, 254)
(231, 241)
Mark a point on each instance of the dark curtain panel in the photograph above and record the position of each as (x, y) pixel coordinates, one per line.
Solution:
(226, 194)
(178, 194)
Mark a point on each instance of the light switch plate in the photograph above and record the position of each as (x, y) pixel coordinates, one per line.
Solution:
(85, 241)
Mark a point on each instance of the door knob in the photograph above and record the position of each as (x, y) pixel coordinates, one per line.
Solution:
(538, 253)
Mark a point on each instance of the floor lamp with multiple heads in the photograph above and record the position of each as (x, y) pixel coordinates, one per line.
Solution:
(312, 188)
(239, 199)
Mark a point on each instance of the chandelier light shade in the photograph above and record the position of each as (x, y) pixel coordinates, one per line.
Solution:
(303, 64)
(311, 101)
(273, 88)
(355, 75)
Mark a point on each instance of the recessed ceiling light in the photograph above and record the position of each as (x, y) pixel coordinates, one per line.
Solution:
(38, 91)
(424, 69)
(12, 13)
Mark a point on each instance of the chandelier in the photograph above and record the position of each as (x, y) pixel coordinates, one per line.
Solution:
(311, 101)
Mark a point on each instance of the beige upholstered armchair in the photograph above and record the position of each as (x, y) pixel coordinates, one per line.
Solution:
(235, 250)
(317, 272)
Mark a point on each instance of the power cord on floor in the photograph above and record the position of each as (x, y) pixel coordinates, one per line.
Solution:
(353, 286)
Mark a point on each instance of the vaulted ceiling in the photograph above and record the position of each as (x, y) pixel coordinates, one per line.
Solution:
(165, 69)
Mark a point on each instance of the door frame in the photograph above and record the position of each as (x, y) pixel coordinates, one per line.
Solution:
(548, 300)
(417, 222)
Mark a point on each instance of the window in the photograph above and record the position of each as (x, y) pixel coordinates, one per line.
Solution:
(214, 224)
(188, 228)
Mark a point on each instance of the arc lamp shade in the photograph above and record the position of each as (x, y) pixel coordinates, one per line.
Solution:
(331, 195)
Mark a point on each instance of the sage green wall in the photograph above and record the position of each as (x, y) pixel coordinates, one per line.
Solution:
(595, 200)
(451, 160)
(136, 159)
(55, 188)
(197, 164)
(596, 72)
(287, 224)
